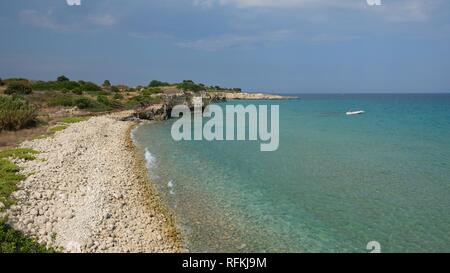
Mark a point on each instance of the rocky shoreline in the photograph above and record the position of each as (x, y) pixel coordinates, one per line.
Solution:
(162, 111)
(249, 96)
(88, 191)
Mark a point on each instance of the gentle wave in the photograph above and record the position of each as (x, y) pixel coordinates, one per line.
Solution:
(150, 159)
(171, 185)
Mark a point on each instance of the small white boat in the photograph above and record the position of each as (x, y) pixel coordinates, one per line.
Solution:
(350, 113)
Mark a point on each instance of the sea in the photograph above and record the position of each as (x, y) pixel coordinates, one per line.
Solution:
(337, 183)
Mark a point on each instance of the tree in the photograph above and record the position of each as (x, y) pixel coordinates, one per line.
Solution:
(18, 88)
(189, 85)
(1, 82)
(89, 86)
(63, 78)
(156, 83)
(106, 83)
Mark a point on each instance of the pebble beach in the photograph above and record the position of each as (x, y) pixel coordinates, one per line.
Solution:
(88, 191)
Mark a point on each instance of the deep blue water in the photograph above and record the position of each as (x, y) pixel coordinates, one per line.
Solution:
(335, 183)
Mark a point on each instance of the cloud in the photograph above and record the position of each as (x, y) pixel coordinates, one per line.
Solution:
(44, 20)
(395, 11)
(149, 35)
(329, 38)
(48, 20)
(106, 20)
(279, 3)
(235, 41)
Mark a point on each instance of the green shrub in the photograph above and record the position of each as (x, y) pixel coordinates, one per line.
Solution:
(106, 83)
(137, 101)
(9, 177)
(142, 101)
(66, 100)
(16, 80)
(19, 153)
(189, 85)
(114, 104)
(12, 241)
(156, 83)
(16, 113)
(70, 100)
(65, 85)
(55, 85)
(18, 88)
(10, 173)
(84, 103)
(117, 96)
(151, 91)
(62, 79)
(77, 91)
(89, 86)
(103, 99)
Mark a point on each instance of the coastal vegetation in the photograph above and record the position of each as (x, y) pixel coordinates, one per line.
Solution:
(70, 120)
(10, 173)
(57, 128)
(12, 241)
(106, 84)
(64, 123)
(18, 88)
(24, 102)
(189, 85)
(156, 83)
(16, 113)
(19, 153)
(65, 84)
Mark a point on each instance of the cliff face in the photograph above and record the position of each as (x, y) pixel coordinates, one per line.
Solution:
(163, 110)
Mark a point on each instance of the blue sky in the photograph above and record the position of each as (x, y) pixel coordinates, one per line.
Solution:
(303, 46)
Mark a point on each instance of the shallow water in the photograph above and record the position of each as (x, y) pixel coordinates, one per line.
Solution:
(334, 184)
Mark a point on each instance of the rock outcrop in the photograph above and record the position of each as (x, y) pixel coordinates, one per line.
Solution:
(220, 96)
(154, 112)
(162, 111)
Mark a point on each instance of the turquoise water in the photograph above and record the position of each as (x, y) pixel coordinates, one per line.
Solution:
(335, 183)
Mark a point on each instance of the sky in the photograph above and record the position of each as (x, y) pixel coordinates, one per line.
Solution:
(281, 46)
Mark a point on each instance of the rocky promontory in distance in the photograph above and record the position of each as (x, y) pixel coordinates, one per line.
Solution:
(172, 96)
